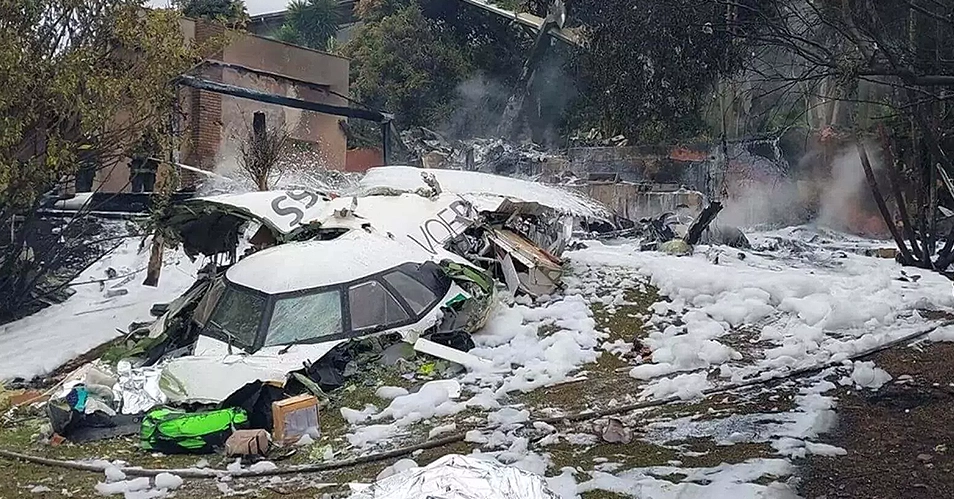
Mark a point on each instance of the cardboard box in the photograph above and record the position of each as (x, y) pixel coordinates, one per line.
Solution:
(247, 443)
(294, 417)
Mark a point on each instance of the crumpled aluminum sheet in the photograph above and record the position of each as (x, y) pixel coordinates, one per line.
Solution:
(459, 477)
(139, 389)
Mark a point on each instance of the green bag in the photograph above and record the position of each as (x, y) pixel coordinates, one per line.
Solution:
(171, 431)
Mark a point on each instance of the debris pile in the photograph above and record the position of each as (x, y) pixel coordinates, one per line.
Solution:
(495, 156)
(304, 289)
(312, 297)
(676, 233)
(594, 138)
(515, 229)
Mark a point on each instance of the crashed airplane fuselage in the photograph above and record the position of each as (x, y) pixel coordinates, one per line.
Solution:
(411, 255)
(511, 227)
(290, 305)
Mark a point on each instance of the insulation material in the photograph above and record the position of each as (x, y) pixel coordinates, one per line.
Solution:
(459, 477)
(139, 389)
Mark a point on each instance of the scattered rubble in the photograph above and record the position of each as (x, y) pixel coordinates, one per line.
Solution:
(308, 291)
(495, 156)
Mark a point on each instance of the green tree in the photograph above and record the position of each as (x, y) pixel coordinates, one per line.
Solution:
(649, 66)
(229, 12)
(81, 80)
(406, 64)
(310, 23)
(410, 56)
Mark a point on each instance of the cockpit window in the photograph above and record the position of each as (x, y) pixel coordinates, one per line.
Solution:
(417, 295)
(373, 307)
(238, 316)
(305, 319)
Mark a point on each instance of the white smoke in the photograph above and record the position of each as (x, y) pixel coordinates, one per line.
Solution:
(477, 111)
(842, 198)
(759, 204)
(843, 194)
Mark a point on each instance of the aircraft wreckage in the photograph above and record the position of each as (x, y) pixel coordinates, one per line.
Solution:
(413, 256)
(514, 228)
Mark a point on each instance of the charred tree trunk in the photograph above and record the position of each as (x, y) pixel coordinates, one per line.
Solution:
(921, 198)
(907, 258)
(894, 176)
(931, 239)
(258, 141)
(155, 262)
(945, 254)
(702, 222)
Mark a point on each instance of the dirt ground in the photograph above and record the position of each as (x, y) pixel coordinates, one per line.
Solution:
(900, 439)
(897, 438)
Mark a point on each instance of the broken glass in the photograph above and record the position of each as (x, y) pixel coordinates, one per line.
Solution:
(372, 305)
(307, 318)
(238, 315)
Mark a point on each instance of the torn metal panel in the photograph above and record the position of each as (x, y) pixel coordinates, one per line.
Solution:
(209, 379)
(441, 226)
(424, 223)
(195, 293)
(461, 210)
(541, 272)
(470, 361)
(523, 249)
(212, 225)
(491, 231)
(510, 274)
(283, 211)
(539, 223)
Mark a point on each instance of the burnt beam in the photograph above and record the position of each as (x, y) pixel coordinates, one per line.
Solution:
(281, 100)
